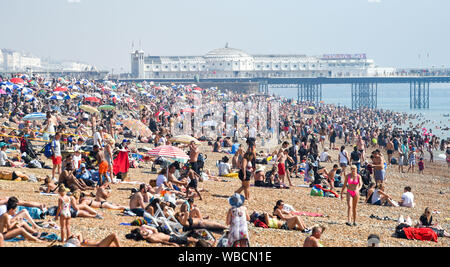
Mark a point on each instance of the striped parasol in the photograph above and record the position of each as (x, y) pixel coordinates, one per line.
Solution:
(89, 109)
(184, 139)
(137, 127)
(35, 117)
(169, 152)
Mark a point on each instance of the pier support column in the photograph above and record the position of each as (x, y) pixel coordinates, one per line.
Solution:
(310, 92)
(364, 95)
(419, 95)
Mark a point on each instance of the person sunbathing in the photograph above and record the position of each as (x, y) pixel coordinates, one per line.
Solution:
(190, 223)
(292, 222)
(81, 210)
(11, 226)
(151, 235)
(49, 186)
(138, 201)
(70, 181)
(77, 240)
(92, 203)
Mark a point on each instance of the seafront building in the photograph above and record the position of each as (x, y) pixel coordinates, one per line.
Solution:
(230, 62)
(13, 61)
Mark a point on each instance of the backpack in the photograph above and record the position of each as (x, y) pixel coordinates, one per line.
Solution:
(48, 153)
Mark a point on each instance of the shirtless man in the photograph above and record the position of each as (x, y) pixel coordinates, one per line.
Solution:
(378, 165)
(70, 181)
(152, 235)
(139, 201)
(331, 174)
(361, 147)
(102, 193)
(102, 165)
(11, 227)
(282, 171)
(390, 150)
(193, 156)
(313, 240)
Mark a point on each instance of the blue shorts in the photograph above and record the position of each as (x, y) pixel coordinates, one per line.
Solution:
(379, 175)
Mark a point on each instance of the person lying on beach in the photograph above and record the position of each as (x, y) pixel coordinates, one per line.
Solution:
(314, 239)
(99, 204)
(48, 186)
(77, 240)
(151, 235)
(12, 226)
(190, 223)
(81, 210)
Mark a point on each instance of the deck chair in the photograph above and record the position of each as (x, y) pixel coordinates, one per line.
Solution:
(171, 221)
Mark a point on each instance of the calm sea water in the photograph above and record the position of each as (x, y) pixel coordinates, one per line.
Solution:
(393, 97)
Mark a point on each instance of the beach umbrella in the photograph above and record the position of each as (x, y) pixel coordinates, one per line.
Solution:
(93, 99)
(130, 100)
(106, 107)
(17, 81)
(188, 110)
(169, 152)
(184, 139)
(137, 127)
(74, 87)
(60, 89)
(55, 97)
(35, 117)
(26, 91)
(2, 92)
(97, 95)
(89, 109)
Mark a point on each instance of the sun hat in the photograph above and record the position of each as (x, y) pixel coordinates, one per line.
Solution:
(236, 200)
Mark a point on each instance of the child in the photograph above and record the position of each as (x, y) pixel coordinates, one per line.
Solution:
(64, 213)
(193, 183)
(421, 166)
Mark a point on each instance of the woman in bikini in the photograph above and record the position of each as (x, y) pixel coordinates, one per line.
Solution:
(353, 184)
(81, 210)
(291, 222)
(99, 204)
(246, 173)
(190, 223)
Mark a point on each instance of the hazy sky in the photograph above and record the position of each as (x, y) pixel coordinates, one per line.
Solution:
(100, 32)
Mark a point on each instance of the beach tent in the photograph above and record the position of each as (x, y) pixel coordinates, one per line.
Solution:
(35, 117)
(89, 109)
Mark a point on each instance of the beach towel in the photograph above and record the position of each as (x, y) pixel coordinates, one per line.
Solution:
(424, 234)
(48, 194)
(326, 190)
(121, 163)
(16, 239)
(35, 213)
(310, 214)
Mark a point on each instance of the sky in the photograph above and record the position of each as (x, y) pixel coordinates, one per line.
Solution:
(395, 33)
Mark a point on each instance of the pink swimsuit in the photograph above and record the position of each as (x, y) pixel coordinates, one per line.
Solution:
(355, 182)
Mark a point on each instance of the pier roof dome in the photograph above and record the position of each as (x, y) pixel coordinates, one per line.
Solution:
(227, 52)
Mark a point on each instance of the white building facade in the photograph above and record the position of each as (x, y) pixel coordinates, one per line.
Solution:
(234, 63)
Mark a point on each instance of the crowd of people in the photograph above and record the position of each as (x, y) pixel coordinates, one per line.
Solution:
(81, 129)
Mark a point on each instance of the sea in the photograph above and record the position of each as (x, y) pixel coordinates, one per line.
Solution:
(393, 97)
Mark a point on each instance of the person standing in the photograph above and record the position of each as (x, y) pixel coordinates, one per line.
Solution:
(56, 157)
(378, 165)
(245, 173)
(237, 217)
(343, 159)
(353, 184)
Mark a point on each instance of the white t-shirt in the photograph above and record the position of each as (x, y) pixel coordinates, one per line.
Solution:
(224, 168)
(324, 156)
(98, 140)
(3, 158)
(160, 180)
(342, 157)
(56, 145)
(408, 199)
(252, 132)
